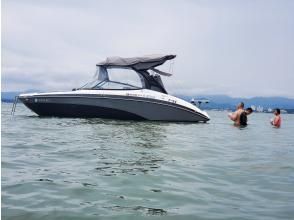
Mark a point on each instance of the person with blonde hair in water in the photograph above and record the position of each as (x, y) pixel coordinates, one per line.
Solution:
(235, 116)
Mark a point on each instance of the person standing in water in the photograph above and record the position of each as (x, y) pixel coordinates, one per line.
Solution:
(235, 116)
(277, 120)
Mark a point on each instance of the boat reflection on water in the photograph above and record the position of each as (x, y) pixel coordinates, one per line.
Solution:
(140, 138)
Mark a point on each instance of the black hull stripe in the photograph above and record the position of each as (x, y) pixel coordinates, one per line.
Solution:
(80, 111)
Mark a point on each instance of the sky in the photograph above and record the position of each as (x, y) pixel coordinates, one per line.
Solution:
(232, 47)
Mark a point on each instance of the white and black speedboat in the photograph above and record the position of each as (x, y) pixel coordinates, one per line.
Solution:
(139, 94)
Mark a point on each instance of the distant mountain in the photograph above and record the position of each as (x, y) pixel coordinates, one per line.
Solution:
(9, 96)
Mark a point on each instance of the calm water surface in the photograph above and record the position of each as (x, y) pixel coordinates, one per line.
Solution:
(57, 168)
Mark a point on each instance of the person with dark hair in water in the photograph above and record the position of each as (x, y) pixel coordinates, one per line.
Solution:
(277, 120)
(243, 116)
(248, 111)
(235, 116)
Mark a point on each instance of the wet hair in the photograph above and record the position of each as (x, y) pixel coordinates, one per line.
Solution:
(249, 109)
(278, 110)
(242, 104)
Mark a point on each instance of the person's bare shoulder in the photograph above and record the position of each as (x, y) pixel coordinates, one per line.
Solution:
(239, 112)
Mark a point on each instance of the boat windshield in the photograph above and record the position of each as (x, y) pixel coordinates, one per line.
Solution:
(116, 78)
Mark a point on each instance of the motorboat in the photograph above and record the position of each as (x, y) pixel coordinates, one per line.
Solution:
(123, 88)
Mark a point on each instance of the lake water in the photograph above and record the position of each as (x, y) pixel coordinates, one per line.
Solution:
(58, 168)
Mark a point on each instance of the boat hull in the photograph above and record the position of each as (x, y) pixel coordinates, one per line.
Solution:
(112, 107)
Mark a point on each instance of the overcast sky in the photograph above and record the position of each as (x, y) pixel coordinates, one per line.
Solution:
(238, 48)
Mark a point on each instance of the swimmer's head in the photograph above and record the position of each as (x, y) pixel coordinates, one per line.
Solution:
(277, 111)
(240, 105)
(249, 111)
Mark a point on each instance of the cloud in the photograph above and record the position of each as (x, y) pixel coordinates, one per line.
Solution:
(239, 48)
